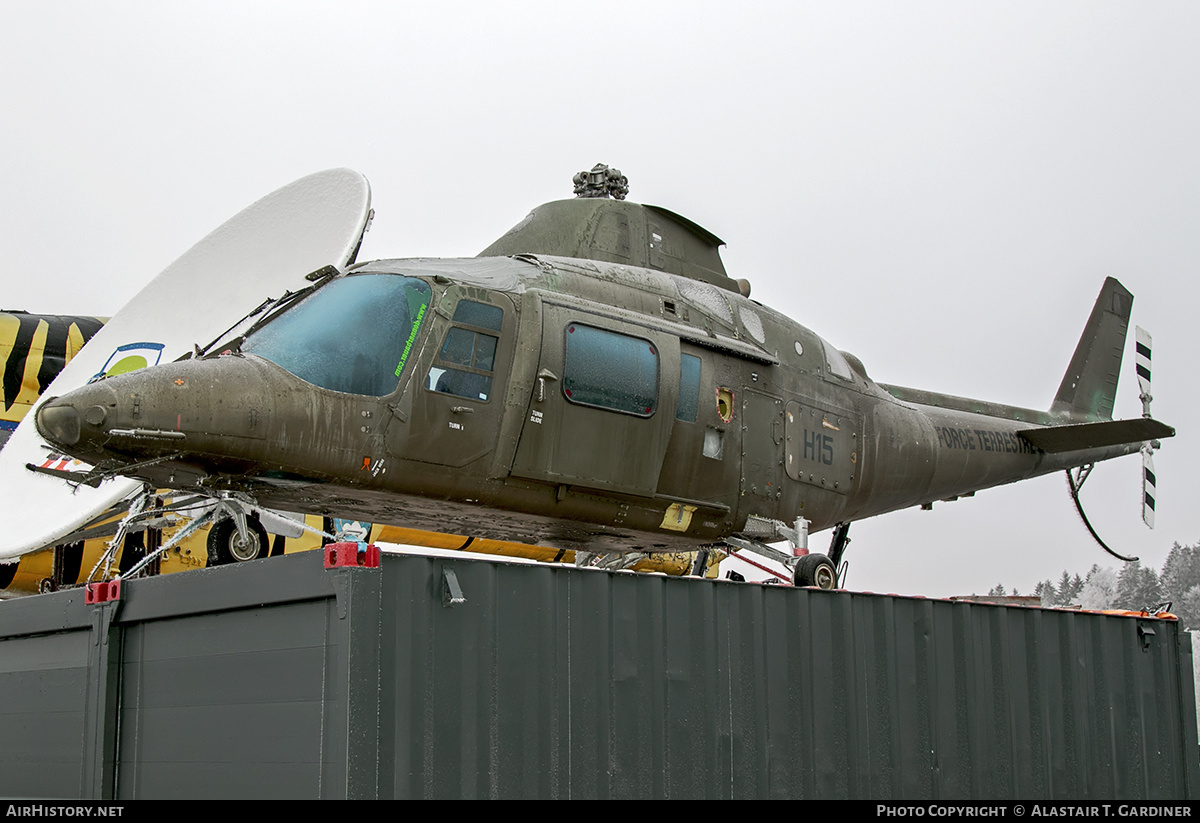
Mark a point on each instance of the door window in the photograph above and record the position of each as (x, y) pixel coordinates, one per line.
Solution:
(467, 358)
(610, 370)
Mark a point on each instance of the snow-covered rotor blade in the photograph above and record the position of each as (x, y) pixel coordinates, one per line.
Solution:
(261, 252)
(1149, 490)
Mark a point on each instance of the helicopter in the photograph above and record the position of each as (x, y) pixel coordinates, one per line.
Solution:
(593, 381)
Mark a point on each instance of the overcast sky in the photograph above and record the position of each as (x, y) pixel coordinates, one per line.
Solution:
(938, 187)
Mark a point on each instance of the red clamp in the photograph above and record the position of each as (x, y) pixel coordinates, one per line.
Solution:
(338, 555)
(107, 592)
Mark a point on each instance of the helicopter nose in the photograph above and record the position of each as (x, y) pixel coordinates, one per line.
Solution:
(58, 423)
(79, 420)
(208, 406)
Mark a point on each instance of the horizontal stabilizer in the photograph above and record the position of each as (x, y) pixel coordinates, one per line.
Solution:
(1056, 439)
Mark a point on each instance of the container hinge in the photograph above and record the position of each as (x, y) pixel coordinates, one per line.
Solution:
(452, 593)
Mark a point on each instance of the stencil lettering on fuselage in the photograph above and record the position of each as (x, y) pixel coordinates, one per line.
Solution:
(950, 437)
(821, 446)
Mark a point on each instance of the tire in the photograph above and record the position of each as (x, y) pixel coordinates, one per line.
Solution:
(816, 570)
(224, 545)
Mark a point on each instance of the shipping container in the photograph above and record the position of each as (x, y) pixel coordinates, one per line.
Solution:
(434, 677)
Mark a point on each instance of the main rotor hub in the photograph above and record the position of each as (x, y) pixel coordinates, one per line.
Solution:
(601, 181)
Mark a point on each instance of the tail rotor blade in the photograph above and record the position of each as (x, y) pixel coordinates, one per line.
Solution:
(1142, 363)
(1149, 490)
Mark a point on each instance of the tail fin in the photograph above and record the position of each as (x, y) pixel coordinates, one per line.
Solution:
(1090, 385)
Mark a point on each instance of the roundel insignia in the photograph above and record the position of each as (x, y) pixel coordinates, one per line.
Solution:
(129, 357)
(127, 364)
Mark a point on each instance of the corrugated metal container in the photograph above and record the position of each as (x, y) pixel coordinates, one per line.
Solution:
(281, 679)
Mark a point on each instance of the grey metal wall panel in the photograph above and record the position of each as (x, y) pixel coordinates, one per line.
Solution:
(224, 704)
(280, 679)
(666, 687)
(43, 687)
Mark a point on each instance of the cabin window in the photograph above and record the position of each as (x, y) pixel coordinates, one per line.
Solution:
(707, 297)
(689, 388)
(837, 364)
(467, 358)
(753, 324)
(610, 370)
(353, 335)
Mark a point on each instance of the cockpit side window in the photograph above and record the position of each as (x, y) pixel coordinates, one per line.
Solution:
(353, 335)
(482, 315)
(467, 359)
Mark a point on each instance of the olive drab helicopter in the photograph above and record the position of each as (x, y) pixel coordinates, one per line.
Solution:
(593, 381)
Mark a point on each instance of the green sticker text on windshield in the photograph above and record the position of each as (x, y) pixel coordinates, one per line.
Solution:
(416, 326)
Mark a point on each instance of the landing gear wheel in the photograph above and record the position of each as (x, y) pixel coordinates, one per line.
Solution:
(815, 570)
(226, 546)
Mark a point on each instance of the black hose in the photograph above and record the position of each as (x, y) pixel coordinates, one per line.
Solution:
(1079, 508)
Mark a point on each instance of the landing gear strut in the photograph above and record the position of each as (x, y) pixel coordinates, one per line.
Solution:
(807, 569)
(839, 543)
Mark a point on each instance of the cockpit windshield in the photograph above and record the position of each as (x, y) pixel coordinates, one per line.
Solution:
(354, 335)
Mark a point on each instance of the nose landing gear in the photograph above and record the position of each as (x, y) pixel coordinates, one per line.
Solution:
(235, 540)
